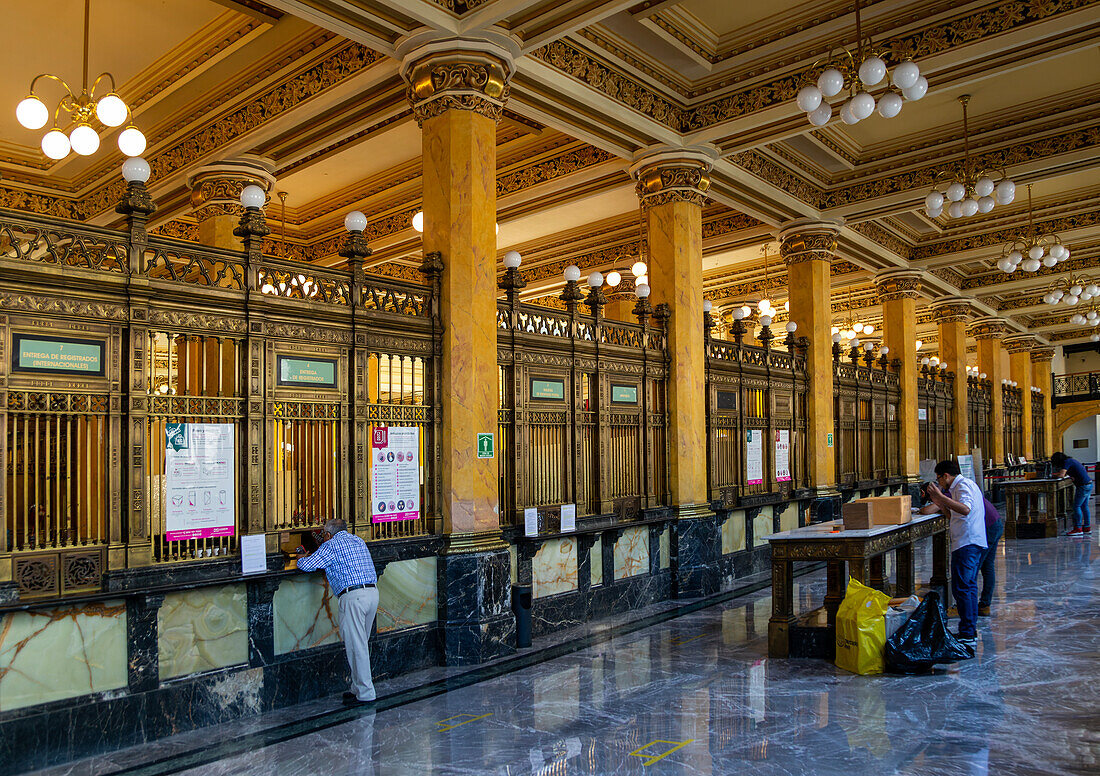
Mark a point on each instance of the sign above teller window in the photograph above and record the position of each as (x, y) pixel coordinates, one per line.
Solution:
(547, 390)
(56, 355)
(311, 372)
(624, 394)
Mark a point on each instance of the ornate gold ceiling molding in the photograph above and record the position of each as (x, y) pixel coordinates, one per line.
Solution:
(1020, 343)
(989, 328)
(457, 80)
(949, 275)
(1083, 220)
(802, 241)
(898, 284)
(568, 162)
(1041, 355)
(880, 235)
(460, 7)
(950, 310)
(780, 177)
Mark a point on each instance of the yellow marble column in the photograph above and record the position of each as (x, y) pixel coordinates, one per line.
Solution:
(215, 196)
(898, 291)
(1041, 379)
(1019, 359)
(951, 314)
(808, 248)
(457, 98)
(988, 332)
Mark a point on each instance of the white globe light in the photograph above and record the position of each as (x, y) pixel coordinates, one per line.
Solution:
(1092, 315)
(765, 320)
(614, 277)
(863, 105)
(934, 200)
(707, 305)
(32, 113)
(1095, 338)
(820, 116)
(1075, 290)
(792, 327)
(1049, 261)
(1057, 250)
(638, 269)
(135, 169)
(1015, 257)
(764, 305)
(1070, 299)
(739, 313)
(1036, 251)
(745, 310)
(1003, 264)
(595, 280)
(956, 191)
(787, 306)
(906, 74)
(889, 105)
(642, 279)
(884, 350)
(1031, 265)
(85, 140)
(955, 210)
(1077, 319)
(934, 213)
(131, 141)
(969, 207)
(808, 98)
(1049, 299)
(985, 204)
(1005, 192)
(1011, 268)
(1065, 255)
(836, 330)
(872, 71)
(111, 110)
(418, 221)
(846, 114)
(917, 90)
(253, 196)
(1093, 289)
(919, 344)
(868, 329)
(512, 259)
(355, 221)
(858, 328)
(1057, 294)
(641, 291)
(984, 186)
(836, 337)
(830, 82)
(572, 273)
(925, 361)
(855, 342)
(55, 144)
(868, 346)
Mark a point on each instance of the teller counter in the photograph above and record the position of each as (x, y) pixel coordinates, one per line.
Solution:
(1038, 508)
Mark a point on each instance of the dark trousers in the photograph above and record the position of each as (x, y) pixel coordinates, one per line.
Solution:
(993, 534)
(964, 586)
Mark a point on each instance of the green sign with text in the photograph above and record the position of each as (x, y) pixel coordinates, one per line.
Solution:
(319, 373)
(548, 390)
(624, 394)
(484, 445)
(57, 356)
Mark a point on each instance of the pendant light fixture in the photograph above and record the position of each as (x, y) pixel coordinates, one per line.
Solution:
(1032, 250)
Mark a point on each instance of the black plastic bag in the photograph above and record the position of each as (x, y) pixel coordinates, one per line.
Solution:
(924, 641)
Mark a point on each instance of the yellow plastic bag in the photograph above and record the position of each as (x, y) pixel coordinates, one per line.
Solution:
(861, 629)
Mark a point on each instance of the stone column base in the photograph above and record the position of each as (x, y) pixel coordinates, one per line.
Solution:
(696, 547)
(474, 605)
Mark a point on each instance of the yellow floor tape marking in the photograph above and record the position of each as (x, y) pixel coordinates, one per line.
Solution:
(678, 642)
(651, 760)
(459, 724)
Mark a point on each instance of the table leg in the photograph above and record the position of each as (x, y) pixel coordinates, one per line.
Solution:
(941, 544)
(878, 573)
(857, 570)
(903, 557)
(835, 584)
(779, 627)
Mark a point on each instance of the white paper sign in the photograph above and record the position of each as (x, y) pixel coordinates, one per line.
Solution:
(568, 518)
(922, 413)
(395, 474)
(531, 521)
(783, 455)
(754, 457)
(198, 476)
(966, 466)
(253, 554)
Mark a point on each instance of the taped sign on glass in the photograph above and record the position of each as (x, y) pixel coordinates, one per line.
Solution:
(395, 473)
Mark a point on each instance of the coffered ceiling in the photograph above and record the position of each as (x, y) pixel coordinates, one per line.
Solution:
(315, 86)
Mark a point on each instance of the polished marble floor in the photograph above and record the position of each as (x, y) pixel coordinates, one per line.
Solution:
(697, 694)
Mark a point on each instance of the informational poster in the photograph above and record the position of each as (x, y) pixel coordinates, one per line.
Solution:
(531, 521)
(485, 445)
(922, 413)
(568, 518)
(395, 473)
(783, 455)
(966, 466)
(754, 457)
(254, 554)
(198, 474)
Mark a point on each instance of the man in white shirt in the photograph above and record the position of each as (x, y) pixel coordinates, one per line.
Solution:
(966, 506)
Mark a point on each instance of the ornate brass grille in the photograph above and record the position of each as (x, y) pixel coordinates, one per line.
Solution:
(306, 443)
(936, 403)
(979, 410)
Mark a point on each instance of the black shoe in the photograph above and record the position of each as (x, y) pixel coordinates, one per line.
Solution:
(353, 701)
(983, 610)
(970, 641)
(350, 696)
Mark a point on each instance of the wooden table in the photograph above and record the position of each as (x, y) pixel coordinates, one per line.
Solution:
(1037, 509)
(863, 552)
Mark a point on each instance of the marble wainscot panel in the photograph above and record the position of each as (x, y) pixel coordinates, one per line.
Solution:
(632, 552)
(733, 533)
(762, 527)
(788, 518)
(203, 629)
(50, 654)
(666, 553)
(408, 594)
(595, 561)
(554, 569)
(306, 614)
(513, 558)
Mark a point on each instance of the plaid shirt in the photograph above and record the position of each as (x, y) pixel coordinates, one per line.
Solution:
(346, 561)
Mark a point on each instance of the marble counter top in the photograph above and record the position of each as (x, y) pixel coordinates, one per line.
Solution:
(825, 530)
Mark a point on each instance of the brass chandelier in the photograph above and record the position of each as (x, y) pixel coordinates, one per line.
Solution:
(1040, 250)
(109, 109)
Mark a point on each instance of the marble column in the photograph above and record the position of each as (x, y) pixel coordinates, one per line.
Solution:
(1041, 379)
(898, 291)
(808, 247)
(672, 187)
(951, 314)
(1019, 360)
(215, 196)
(457, 90)
(988, 332)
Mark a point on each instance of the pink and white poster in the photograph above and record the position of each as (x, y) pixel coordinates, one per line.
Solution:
(783, 455)
(198, 473)
(395, 473)
(754, 457)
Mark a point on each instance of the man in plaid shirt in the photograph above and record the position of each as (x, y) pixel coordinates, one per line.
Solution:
(350, 571)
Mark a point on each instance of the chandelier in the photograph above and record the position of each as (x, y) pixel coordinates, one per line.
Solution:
(860, 72)
(111, 111)
(1072, 289)
(851, 328)
(764, 306)
(970, 191)
(1042, 250)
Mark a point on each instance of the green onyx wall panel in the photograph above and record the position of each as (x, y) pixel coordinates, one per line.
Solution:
(595, 561)
(666, 553)
(407, 594)
(554, 568)
(632, 553)
(733, 533)
(203, 629)
(762, 527)
(50, 654)
(306, 614)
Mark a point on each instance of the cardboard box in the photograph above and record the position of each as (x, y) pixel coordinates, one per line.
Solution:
(857, 515)
(867, 513)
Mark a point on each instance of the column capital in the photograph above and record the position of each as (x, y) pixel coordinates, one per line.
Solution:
(808, 240)
(951, 309)
(457, 73)
(1042, 355)
(898, 284)
(1019, 343)
(673, 174)
(989, 328)
(216, 188)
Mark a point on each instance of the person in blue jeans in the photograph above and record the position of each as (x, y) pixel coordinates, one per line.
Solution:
(994, 530)
(1082, 495)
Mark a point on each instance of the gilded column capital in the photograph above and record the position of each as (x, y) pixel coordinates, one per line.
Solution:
(1019, 343)
(457, 74)
(807, 240)
(898, 284)
(673, 175)
(1041, 355)
(216, 188)
(951, 309)
(989, 328)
